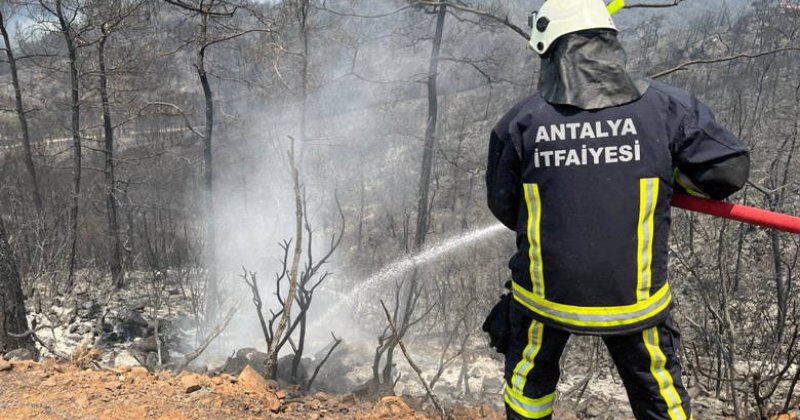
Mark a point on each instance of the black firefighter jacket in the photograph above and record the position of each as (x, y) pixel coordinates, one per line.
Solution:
(588, 194)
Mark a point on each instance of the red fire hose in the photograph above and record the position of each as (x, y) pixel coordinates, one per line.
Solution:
(742, 213)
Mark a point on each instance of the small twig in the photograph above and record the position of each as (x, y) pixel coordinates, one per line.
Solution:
(189, 357)
(32, 333)
(653, 5)
(442, 412)
(158, 344)
(336, 342)
(722, 60)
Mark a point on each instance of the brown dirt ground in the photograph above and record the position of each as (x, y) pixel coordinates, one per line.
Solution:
(51, 390)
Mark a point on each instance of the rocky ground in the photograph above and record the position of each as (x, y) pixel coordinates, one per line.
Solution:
(64, 390)
(117, 351)
(51, 390)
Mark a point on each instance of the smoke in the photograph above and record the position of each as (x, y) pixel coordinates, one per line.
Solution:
(366, 110)
(254, 202)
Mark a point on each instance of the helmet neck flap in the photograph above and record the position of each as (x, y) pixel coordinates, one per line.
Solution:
(586, 69)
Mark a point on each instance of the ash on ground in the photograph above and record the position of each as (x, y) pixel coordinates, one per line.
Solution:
(154, 324)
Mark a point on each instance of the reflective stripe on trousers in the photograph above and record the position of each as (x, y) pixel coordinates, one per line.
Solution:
(646, 361)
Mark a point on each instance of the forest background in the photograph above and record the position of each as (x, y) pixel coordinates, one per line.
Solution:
(318, 157)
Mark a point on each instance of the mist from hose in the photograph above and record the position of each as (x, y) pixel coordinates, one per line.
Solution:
(397, 268)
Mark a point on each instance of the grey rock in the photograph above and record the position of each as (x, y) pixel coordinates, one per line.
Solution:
(126, 358)
(492, 384)
(285, 370)
(151, 361)
(594, 408)
(201, 369)
(89, 309)
(147, 344)
(257, 360)
(20, 354)
(338, 375)
(244, 357)
(125, 326)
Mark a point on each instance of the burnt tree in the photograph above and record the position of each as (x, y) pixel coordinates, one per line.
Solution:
(12, 303)
(67, 26)
(23, 118)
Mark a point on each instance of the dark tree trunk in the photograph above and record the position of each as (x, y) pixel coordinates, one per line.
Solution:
(423, 216)
(23, 120)
(117, 275)
(208, 173)
(66, 30)
(301, 345)
(12, 304)
(304, 6)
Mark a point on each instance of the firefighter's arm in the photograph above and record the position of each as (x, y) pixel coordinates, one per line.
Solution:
(503, 174)
(709, 160)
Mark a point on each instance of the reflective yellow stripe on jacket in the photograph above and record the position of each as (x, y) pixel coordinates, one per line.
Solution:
(595, 317)
(534, 203)
(648, 198)
(647, 305)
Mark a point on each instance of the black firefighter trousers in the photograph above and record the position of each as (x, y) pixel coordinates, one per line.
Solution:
(646, 361)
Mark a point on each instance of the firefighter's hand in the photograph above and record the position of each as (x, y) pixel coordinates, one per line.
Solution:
(497, 324)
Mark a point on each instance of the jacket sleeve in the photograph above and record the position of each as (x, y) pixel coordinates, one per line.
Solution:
(503, 174)
(708, 159)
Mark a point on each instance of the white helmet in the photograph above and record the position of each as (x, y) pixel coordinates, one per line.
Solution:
(560, 17)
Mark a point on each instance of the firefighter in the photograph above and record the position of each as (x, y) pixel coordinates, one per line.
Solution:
(584, 172)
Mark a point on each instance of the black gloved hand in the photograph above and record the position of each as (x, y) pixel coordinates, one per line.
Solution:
(497, 324)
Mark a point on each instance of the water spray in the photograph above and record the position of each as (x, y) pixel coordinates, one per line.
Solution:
(403, 265)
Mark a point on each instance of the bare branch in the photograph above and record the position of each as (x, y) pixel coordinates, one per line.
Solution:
(180, 112)
(651, 5)
(442, 412)
(336, 342)
(722, 60)
(207, 11)
(501, 20)
(189, 357)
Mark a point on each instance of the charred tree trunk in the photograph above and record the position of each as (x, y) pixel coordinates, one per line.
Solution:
(274, 346)
(423, 215)
(301, 346)
(303, 21)
(117, 275)
(12, 304)
(412, 290)
(67, 31)
(208, 172)
(23, 120)
(361, 204)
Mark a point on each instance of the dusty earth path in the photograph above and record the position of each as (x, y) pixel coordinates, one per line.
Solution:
(51, 390)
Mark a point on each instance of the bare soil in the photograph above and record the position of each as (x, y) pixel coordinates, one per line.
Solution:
(52, 390)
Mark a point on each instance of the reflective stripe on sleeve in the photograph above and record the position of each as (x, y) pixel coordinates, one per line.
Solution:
(590, 316)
